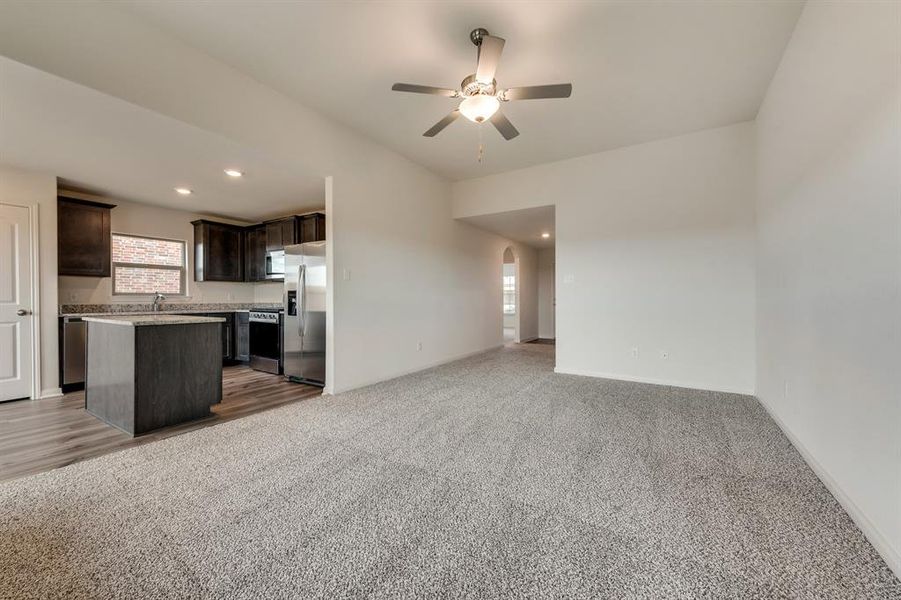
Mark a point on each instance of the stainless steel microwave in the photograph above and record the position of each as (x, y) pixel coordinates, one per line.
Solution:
(275, 264)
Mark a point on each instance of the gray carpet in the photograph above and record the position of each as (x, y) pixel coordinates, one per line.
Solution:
(490, 477)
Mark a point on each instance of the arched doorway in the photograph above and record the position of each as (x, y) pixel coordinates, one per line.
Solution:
(510, 294)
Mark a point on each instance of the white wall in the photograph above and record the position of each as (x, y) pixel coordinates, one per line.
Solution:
(546, 293)
(829, 277)
(29, 188)
(654, 250)
(414, 274)
(268, 292)
(143, 219)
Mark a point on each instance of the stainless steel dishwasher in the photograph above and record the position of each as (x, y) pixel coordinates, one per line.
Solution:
(73, 338)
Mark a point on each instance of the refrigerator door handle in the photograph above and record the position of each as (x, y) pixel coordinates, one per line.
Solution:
(302, 296)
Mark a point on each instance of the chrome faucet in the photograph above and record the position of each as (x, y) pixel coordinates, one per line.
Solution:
(157, 300)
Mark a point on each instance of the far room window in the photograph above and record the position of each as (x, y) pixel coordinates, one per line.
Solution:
(509, 294)
(145, 265)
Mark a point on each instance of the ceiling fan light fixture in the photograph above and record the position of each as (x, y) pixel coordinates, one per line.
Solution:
(479, 108)
(481, 95)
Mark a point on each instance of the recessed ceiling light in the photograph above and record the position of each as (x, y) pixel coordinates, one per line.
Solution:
(545, 235)
(184, 191)
(234, 173)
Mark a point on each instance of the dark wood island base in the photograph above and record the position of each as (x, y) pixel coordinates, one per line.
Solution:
(148, 372)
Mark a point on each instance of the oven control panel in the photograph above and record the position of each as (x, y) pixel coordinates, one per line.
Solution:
(263, 317)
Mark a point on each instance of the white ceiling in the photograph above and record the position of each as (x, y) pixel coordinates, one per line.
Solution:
(524, 226)
(640, 70)
(106, 145)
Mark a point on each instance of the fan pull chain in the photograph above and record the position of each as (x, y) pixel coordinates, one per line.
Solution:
(481, 145)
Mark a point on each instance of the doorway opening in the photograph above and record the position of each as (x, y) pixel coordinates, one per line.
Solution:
(510, 290)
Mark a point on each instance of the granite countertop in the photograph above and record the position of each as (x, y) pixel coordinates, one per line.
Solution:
(139, 313)
(155, 319)
(91, 310)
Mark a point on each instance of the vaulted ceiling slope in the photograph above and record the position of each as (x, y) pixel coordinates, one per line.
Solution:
(105, 145)
(640, 70)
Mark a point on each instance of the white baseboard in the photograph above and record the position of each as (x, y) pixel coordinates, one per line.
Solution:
(888, 553)
(437, 363)
(51, 393)
(669, 382)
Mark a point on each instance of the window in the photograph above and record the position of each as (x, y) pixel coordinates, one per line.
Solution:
(509, 294)
(144, 265)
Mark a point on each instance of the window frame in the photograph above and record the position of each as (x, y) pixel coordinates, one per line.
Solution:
(183, 279)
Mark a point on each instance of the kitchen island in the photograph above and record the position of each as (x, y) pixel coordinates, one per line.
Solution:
(145, 372)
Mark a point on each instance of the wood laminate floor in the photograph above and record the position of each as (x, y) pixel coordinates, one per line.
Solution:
(39, 435)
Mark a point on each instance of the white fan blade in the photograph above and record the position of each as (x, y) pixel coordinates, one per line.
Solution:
(504, 125)
(437, 127)
(424, 89)
(489, 55)
(535, 92)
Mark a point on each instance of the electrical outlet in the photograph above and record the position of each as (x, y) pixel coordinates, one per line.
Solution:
(345, 273)
(664, 354)
(569, 279)
(419, 346)
(635, 352)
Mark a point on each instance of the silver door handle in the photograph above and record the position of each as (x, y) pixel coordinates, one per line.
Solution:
(22, 312)
(302, 297)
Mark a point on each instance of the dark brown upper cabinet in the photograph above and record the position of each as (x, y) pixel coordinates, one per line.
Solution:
(281, 233)
(218, 251)
(255, 253)
(83, 237)
(312, 228)
(225, 252)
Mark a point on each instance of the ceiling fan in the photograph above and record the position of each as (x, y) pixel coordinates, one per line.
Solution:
(481, 96)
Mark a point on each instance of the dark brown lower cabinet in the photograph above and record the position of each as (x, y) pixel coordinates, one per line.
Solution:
(137, 383)
(242, 336)
(228, 335)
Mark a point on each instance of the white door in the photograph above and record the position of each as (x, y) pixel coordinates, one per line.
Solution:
(15, 303)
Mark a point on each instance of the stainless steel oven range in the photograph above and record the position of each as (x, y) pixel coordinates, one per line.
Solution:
(266, 340)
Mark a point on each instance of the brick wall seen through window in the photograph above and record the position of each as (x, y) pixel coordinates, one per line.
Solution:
(143, 265)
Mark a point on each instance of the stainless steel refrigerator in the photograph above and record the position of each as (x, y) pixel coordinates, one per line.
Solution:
(304, 299)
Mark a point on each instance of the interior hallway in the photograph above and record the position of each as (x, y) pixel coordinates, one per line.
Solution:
(488, 477)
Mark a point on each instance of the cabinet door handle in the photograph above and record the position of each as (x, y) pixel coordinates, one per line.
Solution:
(22, 312)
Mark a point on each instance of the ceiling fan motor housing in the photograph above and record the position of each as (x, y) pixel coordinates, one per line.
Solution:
(471, 87)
